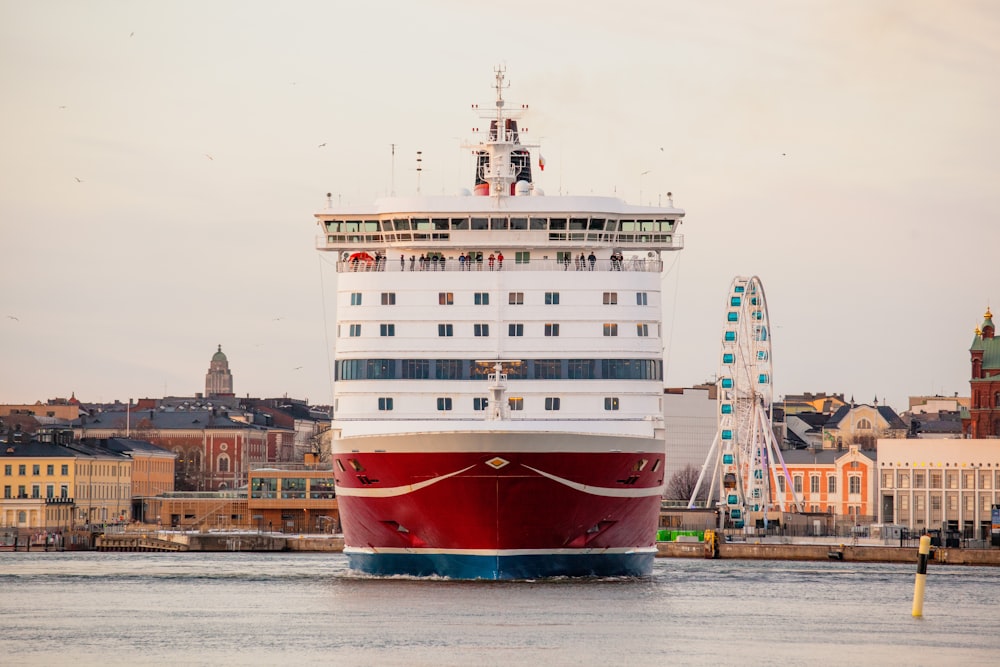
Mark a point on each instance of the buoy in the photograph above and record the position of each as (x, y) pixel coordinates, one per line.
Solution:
(918, 584)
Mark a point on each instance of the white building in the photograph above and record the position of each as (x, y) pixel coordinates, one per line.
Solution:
(690, 418)
(934, 484)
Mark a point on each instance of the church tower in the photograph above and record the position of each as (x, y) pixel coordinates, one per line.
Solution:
(219, 380)
(984, 411)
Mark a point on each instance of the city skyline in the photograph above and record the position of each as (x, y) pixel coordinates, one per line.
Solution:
(163, 163)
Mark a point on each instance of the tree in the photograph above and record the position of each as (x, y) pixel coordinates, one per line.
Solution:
(681, 485)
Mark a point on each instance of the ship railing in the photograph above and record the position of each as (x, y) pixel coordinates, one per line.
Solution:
(452, 264)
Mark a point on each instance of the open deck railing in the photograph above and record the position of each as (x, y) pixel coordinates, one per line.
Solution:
(453, 264)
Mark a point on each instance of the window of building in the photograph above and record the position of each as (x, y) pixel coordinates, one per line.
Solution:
(813, 483)
(355, 298)
(8, 469)
(355, 330)
(797, 483)
(515, 329)
(65, 469)
(385, 403)
(641, 330)
(36, 491)
(918, 503)
(50, 469)
(552, 329)
(22, 469)
(388, 298)
(970, 503)
(521, 256)
(223, 463)
(481, 330)
(918, 480)
(482, 298)
(446, 330)
(904, 502)
(387, 330)
(831, 484)
(446, 298)
(610, 329)
(444, 403)
(936, 479)
(36, 469)
(480, 403)
(515, 403)
(781, 483)
(854, 484)
(552, 402)
(641, 299)
(515, 298)
(610, 402)
(610, 298)
(904, 479)
(551, 298)
(935, 502)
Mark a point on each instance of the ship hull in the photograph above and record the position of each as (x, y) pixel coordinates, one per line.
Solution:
(500, 514)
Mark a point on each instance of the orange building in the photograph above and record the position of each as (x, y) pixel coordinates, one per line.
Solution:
(294, 498)
(838, 482)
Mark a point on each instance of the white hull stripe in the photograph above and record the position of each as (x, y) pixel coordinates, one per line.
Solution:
(497, 552)
(391, 492)
(603, 490)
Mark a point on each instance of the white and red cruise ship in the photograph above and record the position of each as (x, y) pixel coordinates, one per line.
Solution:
(499, 375)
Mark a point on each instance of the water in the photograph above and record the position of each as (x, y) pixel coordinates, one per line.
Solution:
(88, 608)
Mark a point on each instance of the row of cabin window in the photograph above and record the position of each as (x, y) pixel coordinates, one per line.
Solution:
(465, 369)
(483, 330)
(444, 403)
(513, 298)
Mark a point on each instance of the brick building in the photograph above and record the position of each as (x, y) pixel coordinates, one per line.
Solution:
(983, 419)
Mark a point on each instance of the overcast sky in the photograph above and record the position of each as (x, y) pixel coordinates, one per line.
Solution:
(160, 163)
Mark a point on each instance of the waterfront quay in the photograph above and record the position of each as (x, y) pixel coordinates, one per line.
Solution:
(779, 548)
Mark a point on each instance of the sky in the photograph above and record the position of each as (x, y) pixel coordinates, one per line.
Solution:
(161, 164)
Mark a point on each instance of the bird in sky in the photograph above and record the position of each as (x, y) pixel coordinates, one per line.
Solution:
(209, 156)
(321, 145)
(297, 368)
(78, 179)
(11, 317)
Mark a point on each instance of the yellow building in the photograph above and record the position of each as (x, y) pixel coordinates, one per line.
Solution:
(54, 483)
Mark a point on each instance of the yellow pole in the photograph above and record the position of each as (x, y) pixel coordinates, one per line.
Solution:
(918, 585)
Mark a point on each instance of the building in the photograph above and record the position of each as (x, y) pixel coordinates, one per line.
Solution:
(861, 425)
(690, 419)
(939, 484)
(55, 483)
(214, 450)
(64, 409)
(219, 379)
(983, 419)
(838, 482)
(294, 498)
(808, 402)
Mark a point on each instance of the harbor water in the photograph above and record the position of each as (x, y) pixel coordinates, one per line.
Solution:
(88, 608)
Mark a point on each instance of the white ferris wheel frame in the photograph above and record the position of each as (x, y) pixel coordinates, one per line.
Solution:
(744, 451)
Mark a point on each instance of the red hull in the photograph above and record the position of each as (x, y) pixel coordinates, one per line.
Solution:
(499, 502)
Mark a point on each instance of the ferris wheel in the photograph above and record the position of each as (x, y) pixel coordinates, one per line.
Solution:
(745, 459)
